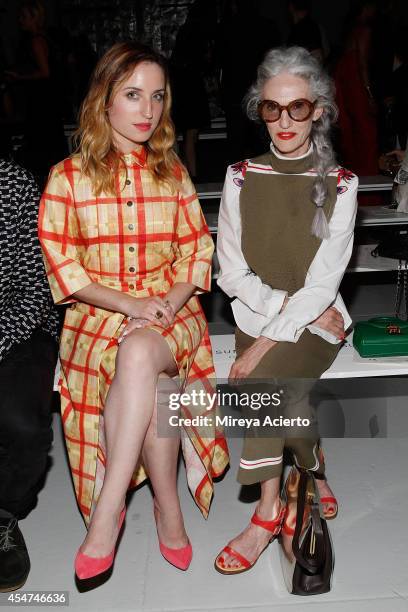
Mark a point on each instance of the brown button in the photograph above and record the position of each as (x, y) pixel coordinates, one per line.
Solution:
(127, 182)
(132, 249)
(131, 286)
(129, 203)
(131, 226)
(131, 269)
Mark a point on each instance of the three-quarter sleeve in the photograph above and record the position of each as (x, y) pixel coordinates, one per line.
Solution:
(60, 236)
(194, 245)
(324, 275)
(236, 278)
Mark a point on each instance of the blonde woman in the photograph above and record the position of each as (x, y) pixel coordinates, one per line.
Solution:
(126, 245)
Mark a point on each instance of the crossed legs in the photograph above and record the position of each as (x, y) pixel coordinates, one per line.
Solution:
(130, 429)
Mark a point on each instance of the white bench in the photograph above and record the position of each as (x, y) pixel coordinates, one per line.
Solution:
(388, 413)
(359, 410)
(348, 364)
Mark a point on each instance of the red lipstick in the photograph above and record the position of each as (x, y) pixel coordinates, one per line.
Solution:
(286, 135)
(143, 127)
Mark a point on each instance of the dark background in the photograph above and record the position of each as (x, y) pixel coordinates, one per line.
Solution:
(157, 21)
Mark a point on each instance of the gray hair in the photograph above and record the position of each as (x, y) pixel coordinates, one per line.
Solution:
(300, 62)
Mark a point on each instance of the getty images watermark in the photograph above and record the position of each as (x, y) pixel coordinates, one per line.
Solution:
(245, 401)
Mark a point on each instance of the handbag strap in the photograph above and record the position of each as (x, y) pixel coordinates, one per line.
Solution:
(401, 295)
(399, 290)
(314, 564)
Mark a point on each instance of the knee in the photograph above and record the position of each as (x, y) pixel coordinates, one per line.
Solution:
(138, 352)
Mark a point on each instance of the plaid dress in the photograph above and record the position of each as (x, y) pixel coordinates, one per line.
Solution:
(140, 241)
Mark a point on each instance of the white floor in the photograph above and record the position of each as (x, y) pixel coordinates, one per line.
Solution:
(370, 535)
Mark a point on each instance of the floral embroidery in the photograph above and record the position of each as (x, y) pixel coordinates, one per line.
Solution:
(345, 175)
(240, 167)
(341, 190)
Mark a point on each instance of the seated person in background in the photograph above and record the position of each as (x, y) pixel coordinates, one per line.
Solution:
(28, 355)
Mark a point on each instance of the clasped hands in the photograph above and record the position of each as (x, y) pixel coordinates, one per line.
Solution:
(330, 320)
(149, 311)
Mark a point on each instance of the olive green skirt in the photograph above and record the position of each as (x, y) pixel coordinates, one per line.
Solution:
(289, 369)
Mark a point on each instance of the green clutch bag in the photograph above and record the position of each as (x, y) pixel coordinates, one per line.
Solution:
(381, 337)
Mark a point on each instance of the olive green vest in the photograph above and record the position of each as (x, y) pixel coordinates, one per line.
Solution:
(277, 214)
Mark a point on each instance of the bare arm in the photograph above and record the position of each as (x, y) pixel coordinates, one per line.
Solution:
(179, 294)
(137, 308)
(117, 301)
(110, 299)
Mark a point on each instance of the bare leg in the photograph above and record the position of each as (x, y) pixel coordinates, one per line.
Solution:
(160, 458)
(128, 412)
(252, 541)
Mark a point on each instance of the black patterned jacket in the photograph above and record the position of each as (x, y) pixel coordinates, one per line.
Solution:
(25, 300)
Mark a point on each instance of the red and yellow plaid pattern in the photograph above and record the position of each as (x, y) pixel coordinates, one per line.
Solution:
(141, 241)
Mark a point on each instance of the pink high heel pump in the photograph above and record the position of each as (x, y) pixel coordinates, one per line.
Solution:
(89, 567)
(179, 557)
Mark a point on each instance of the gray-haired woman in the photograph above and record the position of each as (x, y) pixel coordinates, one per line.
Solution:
(284, 241)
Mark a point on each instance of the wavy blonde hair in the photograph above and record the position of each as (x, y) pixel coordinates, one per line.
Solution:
(94, 136)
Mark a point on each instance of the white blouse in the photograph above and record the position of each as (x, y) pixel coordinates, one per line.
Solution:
(257, 306)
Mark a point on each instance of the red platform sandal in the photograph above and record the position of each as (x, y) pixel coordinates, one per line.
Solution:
(274, 526)
(330, 513)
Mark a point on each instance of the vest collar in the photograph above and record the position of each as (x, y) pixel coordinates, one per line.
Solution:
(291, 165)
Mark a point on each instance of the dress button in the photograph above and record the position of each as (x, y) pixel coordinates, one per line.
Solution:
(131, 269)
(129, 203)
(132, 249)
(127, 182)
(131, 286)
(131, 226)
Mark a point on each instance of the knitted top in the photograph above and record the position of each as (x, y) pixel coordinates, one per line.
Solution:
(276, 215)
(266, 250)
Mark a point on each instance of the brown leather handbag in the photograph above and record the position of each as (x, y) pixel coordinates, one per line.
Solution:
(308, 563)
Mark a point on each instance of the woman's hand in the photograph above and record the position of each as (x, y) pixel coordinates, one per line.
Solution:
(179, 294)
(331, 321)
(132, 325)
(140, 322)
(154, 310)
(249, 359)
